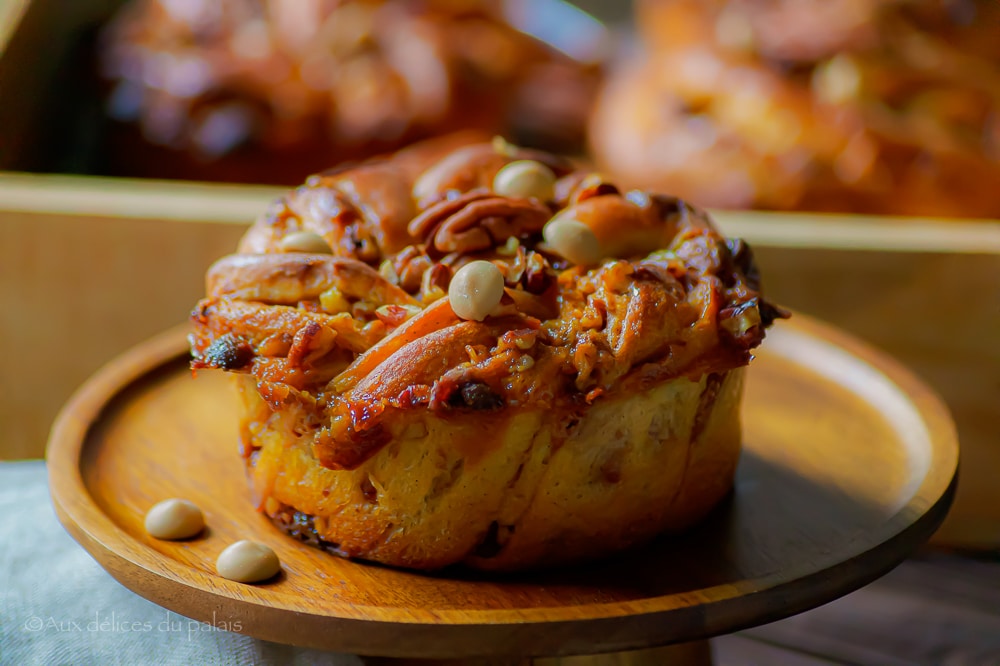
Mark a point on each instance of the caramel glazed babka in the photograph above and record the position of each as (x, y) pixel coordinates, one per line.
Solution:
(483, 358)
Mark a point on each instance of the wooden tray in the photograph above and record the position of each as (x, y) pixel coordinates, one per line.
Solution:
(849, 464)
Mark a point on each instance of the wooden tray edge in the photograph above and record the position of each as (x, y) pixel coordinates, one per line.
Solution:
(357, 634)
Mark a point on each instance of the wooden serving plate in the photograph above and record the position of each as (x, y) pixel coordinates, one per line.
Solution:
(849, 464)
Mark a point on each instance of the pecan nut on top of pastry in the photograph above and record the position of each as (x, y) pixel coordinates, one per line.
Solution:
(483, 358)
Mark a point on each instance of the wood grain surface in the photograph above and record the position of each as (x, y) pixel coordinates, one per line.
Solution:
(849, 464)
(937, 608)
(90, 267)
(696, 653)
(939, 314)
(78, 290)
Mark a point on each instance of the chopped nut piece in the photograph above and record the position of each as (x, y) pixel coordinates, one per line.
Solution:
(526, 340)
(394, 315)
(509, 249)
(388, 271)
(332, 301)
(504, 147)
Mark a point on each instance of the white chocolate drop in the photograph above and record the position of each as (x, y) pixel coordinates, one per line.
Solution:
(247, 562)
(527, 179)
(476, 290)
(573, 239)
(837, 81)
(174, 519)
(305, 241)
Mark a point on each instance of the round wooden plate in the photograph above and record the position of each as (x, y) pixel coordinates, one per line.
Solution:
(848, 465)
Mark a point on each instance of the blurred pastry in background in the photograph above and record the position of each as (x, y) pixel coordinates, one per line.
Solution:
(270, 92)
(872, 106)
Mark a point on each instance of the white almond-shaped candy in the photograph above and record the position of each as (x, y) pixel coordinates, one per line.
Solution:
(573, 240)
(305, 241)
(174, 519)
(476, 290)
(527, 179)
(247, 562)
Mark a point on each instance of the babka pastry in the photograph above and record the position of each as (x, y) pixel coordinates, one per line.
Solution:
(485, 358)
(874, 106)
(270, 92)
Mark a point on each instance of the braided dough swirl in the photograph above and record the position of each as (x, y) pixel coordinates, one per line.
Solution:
(377, 422)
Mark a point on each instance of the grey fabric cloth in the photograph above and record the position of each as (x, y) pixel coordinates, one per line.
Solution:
(58, 606)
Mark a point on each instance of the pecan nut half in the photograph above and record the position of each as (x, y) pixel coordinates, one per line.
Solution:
(477, 220)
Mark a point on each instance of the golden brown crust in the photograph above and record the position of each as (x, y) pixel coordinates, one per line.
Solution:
(533, 489)
(291, 278)
(362, 382)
